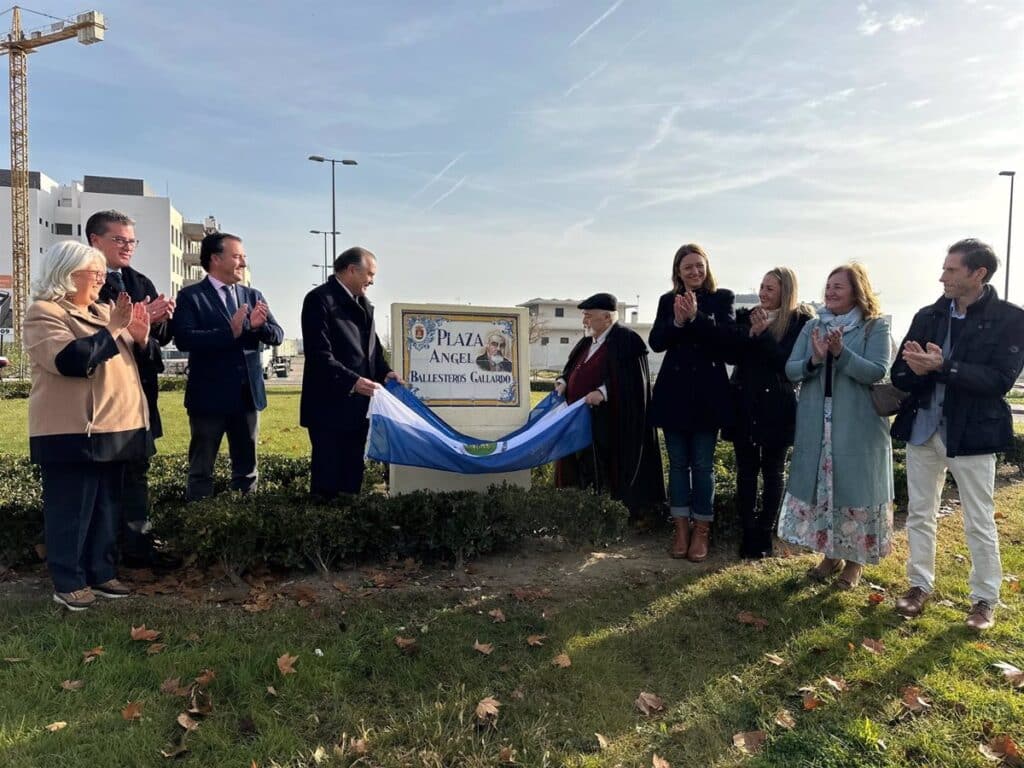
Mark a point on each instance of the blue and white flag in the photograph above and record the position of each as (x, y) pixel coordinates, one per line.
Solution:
(405, 431)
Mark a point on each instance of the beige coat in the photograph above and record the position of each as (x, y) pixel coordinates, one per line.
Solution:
(105, 401)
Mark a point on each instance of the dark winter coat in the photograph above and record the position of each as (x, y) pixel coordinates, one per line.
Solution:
(981, 369)
(692, 389)
(764, 399)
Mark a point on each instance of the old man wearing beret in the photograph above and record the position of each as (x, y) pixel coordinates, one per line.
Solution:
(608, 370)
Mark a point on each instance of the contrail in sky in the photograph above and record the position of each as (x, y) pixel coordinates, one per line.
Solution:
(599, 19)
(437, 176)
(446, 194)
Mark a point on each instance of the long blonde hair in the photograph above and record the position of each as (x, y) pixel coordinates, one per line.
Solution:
(788, 302)
(864, 295)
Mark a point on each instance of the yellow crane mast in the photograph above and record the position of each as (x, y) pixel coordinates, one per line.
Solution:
(87, 28)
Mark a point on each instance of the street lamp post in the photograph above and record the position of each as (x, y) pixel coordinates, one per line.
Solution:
(334, 210)
(1009, 232)
(325, 234)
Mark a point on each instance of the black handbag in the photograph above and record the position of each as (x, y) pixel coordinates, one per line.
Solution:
(887, 398)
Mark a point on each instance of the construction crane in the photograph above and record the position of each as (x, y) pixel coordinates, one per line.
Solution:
(87, 28)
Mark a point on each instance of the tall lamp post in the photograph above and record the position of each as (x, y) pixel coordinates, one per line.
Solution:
(325, 234)
(1009, 231)
(334, 210)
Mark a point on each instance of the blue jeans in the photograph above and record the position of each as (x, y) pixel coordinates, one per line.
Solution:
(691, 476)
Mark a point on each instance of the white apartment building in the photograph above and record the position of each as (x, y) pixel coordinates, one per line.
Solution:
(168, 252)
(556, 326)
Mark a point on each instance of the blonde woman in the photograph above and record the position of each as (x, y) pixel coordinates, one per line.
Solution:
(839, 496)
(87, 417)
(765, 404)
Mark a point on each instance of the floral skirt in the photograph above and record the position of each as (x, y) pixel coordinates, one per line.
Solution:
(860, 534)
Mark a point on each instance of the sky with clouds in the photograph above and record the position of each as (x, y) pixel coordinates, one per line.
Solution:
(510, 149)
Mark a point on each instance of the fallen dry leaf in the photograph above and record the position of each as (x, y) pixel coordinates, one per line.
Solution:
(785, 718)
(285, 664)
(406, 645)
(205, 677)
(778, 661)
(272, 690)
(60, 725)
(88, 657)
(507, 756)
(875, 646)
(657, 761)
(561, 660)
(155, 648)
(485, 648)
(746, 617)
(186, 722)
(528, 595)
(497, 616)
(749, 742)
(141, 633)
(536, 640)
(1002, 749)
(1012, 674)
(72, 685)
(177, 749)
(199, 701)
(173, 687)
(649, 703)
(810, 700)
(192, 637)
(342, 587)
(875, 598)
(913, 699)
(518, 694)
(487, 710)
(602, 742)
(837, 684)
(133, 711)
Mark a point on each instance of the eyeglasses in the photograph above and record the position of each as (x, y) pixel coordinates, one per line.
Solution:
(98, 275)
(123, 241)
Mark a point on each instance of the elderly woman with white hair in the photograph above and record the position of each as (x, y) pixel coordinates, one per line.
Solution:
(87, 417)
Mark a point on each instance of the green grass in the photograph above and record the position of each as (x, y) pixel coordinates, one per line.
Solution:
(671, 631)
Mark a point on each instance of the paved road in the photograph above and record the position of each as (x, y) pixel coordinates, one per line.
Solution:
(293, 379)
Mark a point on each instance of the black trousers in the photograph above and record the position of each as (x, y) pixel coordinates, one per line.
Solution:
(135, 508)
(242, 430)
(80, 510)
(769, 464)
(336, 464)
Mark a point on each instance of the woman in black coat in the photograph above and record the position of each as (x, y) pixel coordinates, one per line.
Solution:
(765, 404)
(691, 395)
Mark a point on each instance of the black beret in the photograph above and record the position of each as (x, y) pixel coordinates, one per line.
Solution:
(603, 301)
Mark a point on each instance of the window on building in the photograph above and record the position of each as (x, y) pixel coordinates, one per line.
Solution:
(559, 311)
(544, 341)
(63, 229)
(79, 230)
(564, 340)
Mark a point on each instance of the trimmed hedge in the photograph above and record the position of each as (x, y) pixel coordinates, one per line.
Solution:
(18, 389)
(283, 526)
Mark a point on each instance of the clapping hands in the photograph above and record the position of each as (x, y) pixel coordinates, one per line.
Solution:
(138, 327)
(759, 321)
(684, 307)
(922, 360)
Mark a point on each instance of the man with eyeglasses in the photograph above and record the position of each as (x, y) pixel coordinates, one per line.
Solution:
(113, 234)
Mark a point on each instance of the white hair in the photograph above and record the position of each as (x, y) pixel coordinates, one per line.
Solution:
(614, 317)
(61, 259)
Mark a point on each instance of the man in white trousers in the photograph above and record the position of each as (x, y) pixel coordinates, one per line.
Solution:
(958, 361)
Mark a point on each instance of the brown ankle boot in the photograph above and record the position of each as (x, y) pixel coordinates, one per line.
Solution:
(699, 542)
(681, 543)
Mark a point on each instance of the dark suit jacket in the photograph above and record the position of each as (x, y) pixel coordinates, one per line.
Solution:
(224, 373)
(340, 345)
(148, 358)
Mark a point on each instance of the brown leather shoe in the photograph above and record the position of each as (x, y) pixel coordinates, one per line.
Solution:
(681, 543)
(698, 550)
(850, 577)
(981, 616)
(911, 605)
(825, 570)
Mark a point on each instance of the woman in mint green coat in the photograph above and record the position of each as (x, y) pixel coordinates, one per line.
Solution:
(840, 489)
